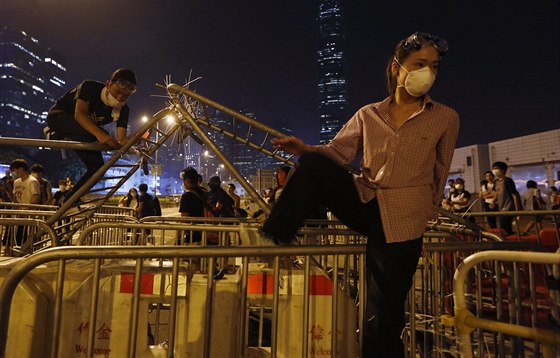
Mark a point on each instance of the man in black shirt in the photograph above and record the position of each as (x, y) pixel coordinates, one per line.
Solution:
(80, 113)
(193, 201)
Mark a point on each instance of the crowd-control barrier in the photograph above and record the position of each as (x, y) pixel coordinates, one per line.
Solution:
(519, 295)
(543, 336)
(163, 276)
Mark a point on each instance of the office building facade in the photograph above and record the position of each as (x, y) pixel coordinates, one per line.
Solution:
(31, 78)
(332, 70)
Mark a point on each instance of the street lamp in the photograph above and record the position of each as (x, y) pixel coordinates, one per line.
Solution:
(145, 119)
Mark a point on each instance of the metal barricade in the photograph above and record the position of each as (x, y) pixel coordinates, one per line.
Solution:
(14, 232)
(23, 235)
(538, 221)
(538, 335)
(128, 330)
(430, 330)
(116, 210)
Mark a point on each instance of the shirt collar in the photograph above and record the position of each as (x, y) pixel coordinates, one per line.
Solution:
(383, 106)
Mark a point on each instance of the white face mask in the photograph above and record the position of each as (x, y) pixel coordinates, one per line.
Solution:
(112, 102)
(109, 100)
(459, 186)
(62, 188)
(418, 82)
(133, 194)
(497, 172)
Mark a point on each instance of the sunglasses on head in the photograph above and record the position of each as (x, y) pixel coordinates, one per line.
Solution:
(419, 39)
(125, 85)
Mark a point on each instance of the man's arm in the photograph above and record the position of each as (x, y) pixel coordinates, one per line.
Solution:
(49, 193)
(82, 117)
(35, 193)
(121, 135)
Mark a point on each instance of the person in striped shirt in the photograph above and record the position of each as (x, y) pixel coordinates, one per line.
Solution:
(405, 144)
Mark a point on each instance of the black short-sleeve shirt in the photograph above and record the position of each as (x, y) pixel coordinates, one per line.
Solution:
(90, 92)
(192, 204)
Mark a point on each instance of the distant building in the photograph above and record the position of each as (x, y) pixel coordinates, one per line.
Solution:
(31, 79)
(531, 157)
(332, 70)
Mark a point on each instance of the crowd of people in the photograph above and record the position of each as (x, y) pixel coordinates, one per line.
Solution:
(27, 185)
(498, 192)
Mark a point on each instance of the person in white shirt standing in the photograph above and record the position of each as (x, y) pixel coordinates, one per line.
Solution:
(26, 187)
(26, 191)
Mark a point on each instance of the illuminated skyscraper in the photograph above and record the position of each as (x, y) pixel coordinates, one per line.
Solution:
(332, 70)
(31, 78)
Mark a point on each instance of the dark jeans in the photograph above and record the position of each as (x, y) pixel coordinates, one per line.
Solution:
(390, 267)
(66, 126)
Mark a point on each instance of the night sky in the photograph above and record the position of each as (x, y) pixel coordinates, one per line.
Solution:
(501, 73)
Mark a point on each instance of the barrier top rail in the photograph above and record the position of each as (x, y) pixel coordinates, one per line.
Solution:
(466, 321)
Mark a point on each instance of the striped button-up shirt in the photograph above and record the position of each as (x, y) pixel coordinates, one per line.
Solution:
(405, 167)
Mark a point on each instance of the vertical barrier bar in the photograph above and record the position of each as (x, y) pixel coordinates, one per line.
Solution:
(243, 313)
(93, 306)
(158, 307)
(534, 308)
(305, 330)
(478, 298)
(58, 307)
(208, 312)
(275, 304)
(134, 309)
(334, 308)
(362, 292)
(173, 308)
(499, 306)
(518, 342)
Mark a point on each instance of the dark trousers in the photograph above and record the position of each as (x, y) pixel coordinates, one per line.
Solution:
(491, 219)
(66, 126)
(390, 267)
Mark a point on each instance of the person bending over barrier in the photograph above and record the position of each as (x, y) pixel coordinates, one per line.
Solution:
(80, 113)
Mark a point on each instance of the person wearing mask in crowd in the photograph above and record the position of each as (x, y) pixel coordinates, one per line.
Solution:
(487, 194)
(407, 142)
(37, 171)
(80, 113)
(451, 185)
(460, 199)
(533, 200)
(507, 196)
(130, 200)
(58, 198)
